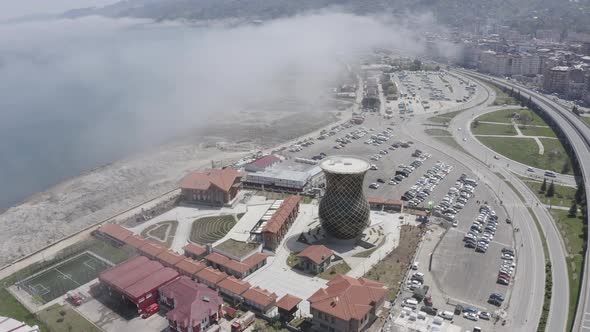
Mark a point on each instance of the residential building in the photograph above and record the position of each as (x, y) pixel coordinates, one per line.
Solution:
(210, 277)
(347, 304)
(233, 288)
(288, 306)
(260, 299)
(194, 251)
(239, 269)
(315, 258)
(556, 79)
(194, 307)
(189, 267)
(212, 187)
(114, 233)
(277, 227)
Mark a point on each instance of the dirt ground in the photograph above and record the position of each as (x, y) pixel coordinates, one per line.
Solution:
(392, 269)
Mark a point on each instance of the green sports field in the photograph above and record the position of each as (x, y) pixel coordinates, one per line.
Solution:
(63, 277)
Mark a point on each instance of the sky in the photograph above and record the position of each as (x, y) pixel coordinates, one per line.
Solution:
(78, 93)
(17, 8)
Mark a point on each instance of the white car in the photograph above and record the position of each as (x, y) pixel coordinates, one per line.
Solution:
(471, 316)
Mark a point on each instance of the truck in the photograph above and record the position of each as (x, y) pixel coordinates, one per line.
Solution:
(74, 298)
(242, 323)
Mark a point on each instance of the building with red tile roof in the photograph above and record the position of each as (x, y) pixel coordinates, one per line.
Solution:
(263, 163)
(233, 288)
(114, 232)
(260, 299)
(137, 279)
(315, 258)
(288, 306)
(195, 307)
(212, 186)
(277, 227)
(151, 250)
(189, 267)
(210, 276)
(347, 304)
(194, 251)
(234, 267)
(169, 258)
(136, 241)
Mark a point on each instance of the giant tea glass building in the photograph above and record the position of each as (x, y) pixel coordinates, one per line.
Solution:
(344, 209)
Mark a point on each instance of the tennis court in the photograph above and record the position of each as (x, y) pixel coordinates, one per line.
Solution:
(63, 277)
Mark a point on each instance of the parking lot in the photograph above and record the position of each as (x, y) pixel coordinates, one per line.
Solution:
(462, 275)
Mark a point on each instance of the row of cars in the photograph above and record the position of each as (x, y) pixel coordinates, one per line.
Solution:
(483, 230)
(426, 183)
(507, 267)
(455, 199)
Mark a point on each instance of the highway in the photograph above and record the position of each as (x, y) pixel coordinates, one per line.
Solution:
(578, 135)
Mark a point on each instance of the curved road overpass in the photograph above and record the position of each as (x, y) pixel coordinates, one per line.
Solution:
(577, 133)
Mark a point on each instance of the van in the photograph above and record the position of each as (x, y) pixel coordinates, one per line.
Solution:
(550, 174)
(446, 315)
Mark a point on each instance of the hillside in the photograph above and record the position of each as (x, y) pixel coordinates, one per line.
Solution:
(527, 15)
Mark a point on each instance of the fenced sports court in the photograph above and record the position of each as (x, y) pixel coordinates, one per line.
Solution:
(58, 279)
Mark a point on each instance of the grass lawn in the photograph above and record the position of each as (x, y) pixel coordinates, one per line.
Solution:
(526, 151)
(492, 129)
(571, 229)
(505, 116)
(537, 131)
(586, 118)
(563, 195)
(437, 132)
(157, 232)
(10, 307)
(502, 97)
(293, 260)
(334, 270)
(445, 117)
(391, 270)
(64, 319)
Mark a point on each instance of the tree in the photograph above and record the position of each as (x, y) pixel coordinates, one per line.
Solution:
(543, 186)
(551, 190)
(580, 195)
(511, 93)
(576, 111)
(573, 211)
(530, 102)
(475, 123)
(566, 168)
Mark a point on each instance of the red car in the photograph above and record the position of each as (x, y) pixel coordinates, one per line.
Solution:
(504, 276)
(150, 310)
(74, 298)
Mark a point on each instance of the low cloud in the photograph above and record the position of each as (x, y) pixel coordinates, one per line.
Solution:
(74, 93)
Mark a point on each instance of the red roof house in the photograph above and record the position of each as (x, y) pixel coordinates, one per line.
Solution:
(233, 287)
(263, 163)
(138, 279)
(210, 276)
(169, 258)
(115, 232)
(195, 306)
(194, 251)
(315, 258)
(260, 299)
(189, 267)
(213, 186)
(351, 302)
